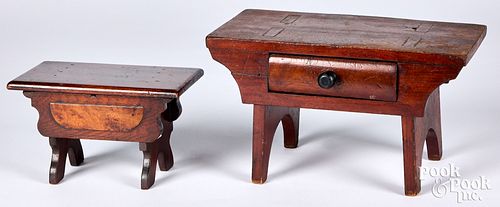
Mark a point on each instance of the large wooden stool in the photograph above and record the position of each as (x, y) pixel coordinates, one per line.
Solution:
(106, 102)
(283, 61)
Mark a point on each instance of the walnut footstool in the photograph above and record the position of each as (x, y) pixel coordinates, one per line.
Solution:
(106, 102)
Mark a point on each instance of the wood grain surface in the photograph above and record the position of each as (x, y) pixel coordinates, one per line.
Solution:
(366, 37)
(109, 79)
(97, 117)
(389, 66)
(354, 78)
(111, 124)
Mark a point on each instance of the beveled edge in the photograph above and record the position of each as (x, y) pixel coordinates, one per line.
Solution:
(476, 45)
(14, 85)
(103, 90)
(454, 59)
(193, 79)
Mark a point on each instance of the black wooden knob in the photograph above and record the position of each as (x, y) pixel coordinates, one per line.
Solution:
(327, 79)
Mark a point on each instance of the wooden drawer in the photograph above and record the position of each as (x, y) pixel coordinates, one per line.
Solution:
(333, 77)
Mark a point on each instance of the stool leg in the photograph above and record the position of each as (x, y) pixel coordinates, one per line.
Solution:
(57, 165)
(75, 152)
(150, 151)
(290, 124)
(60, 149)
(416, 131)
(160, 151)
(434, 137)
(265, 121)
(165, 156)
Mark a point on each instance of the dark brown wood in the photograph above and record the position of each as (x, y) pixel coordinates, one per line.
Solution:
(106, 102)
(266, 119)
(159, 152)
(108, 79)
(175, 110)
(416, 131)
(61, 148)
(75, 152)
(354, 78)
(275, 56)
(290, 124)
(165, 155)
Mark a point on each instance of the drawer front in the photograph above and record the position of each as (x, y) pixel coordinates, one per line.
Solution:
(333, 77)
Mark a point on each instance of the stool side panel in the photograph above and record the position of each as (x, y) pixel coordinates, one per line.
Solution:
(415, 83)
(147, 130)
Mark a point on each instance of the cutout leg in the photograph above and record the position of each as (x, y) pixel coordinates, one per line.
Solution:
(265, 121)
(160, 151)
(57, 165)
(416, 130)
(75, 152)
(150, 151)
(434, 137)
(165, 156)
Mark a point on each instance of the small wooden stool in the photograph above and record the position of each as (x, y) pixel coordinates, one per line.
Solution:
(284, 61)
(106, 102)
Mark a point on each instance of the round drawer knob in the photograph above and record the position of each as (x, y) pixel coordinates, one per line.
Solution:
(327, 79)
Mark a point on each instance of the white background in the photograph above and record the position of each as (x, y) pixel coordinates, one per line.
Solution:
(342, 158)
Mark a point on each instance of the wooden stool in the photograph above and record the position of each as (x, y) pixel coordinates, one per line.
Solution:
(283, 61)
(106, 102)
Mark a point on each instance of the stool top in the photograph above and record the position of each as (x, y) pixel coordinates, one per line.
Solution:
(91, 78)
(377, 38)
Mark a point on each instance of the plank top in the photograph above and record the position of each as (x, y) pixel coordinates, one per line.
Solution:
(94, 78)
(415, 41)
